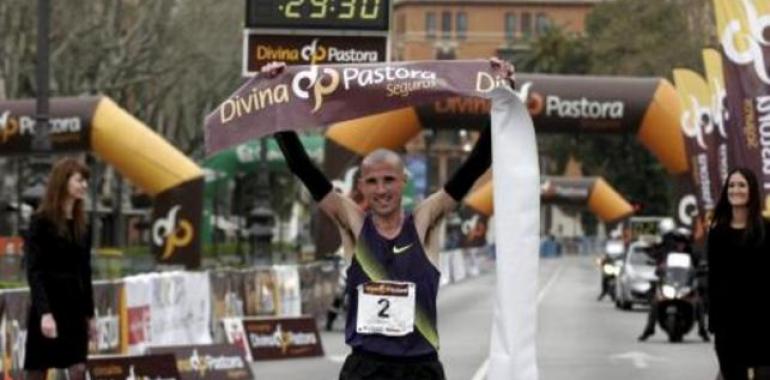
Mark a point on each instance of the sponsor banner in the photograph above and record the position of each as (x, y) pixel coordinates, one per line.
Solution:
(309, 49)
(697, 124)
(236, 335)
(179, 308)
(557, 103)
(289, 300)
(226, 299)
(747, 85)
(209, 362)
(14, 309)
(176, 220)
(138, 291)
(712, 60)
(282, 338)
(155, 367)
(69, 122)
(309, 283)
(317, 96)
(565, 190)
(261, 292)
(107, 296)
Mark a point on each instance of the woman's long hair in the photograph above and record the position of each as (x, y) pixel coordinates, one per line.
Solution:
(723, 213)
(52, 205)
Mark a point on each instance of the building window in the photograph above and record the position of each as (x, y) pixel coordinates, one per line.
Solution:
(542, 23)
(526, 24)
(446, 24)
(510, 27)
(430, 25)
(462, 25)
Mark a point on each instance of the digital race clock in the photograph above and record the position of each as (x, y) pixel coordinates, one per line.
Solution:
(364, 15)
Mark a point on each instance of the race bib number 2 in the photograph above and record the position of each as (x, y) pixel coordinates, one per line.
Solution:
(386, 308)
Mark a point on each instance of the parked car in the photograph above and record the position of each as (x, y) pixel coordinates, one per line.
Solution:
(636, 280)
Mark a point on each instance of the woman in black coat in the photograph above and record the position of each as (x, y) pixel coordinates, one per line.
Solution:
(58, 249)
(739, 258)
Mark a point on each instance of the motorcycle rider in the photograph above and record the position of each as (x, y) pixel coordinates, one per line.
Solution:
(672, 240)
(614, 248)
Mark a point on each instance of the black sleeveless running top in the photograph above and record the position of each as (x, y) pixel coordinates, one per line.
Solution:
(400, 259)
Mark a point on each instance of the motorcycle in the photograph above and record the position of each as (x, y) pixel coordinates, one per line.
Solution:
(609, 265)
(677, 296)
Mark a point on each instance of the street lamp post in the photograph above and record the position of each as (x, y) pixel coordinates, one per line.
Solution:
(41, 141)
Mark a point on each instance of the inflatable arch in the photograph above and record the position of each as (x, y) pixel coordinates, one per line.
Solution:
(592, 192)
(98, 124)
(646, 107)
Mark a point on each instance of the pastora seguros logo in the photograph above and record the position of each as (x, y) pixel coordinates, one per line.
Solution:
(743, 46)
(171, 233)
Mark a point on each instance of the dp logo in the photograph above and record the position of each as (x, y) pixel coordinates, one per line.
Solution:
(9, 127)
(743, 37)
(171, 233)
(319, 83)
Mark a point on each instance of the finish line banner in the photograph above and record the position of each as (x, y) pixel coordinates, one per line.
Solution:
(304, 97)
(316, 96)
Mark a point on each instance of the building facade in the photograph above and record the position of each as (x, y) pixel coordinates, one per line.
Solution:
(470, 29)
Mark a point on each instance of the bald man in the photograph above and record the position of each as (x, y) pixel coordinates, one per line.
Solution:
(393, 277)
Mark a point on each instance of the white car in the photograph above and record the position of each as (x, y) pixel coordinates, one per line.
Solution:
(637, 276)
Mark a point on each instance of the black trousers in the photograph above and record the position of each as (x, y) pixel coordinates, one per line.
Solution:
(734, 360)
(361, 365)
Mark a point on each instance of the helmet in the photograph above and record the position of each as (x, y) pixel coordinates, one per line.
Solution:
(666, 225)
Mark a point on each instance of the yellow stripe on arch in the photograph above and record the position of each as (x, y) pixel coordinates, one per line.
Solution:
(137, 152)
(660, 132)
(481, 199)
(389, 130)
(606, 203)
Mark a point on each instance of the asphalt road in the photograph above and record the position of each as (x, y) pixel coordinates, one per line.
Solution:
(578, 337)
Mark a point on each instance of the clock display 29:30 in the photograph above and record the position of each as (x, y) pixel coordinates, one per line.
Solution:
(339, 9)
(319, 14)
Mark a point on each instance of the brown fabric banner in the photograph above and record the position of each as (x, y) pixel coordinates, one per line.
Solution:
(316, 96)
(283, 338)
(557, 104)
(747, 84)
(700, 137)
(176, 221)
(209, 362)
(69, 122)
(558, 190)
(712, 60)
(159, 366)
(307, 49)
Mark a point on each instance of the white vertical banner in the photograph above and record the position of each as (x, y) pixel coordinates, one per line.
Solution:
(290, 304)
(196, 307)
(517, 214)
(138, 290)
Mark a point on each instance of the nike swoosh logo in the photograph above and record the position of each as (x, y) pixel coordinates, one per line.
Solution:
(398, 250)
